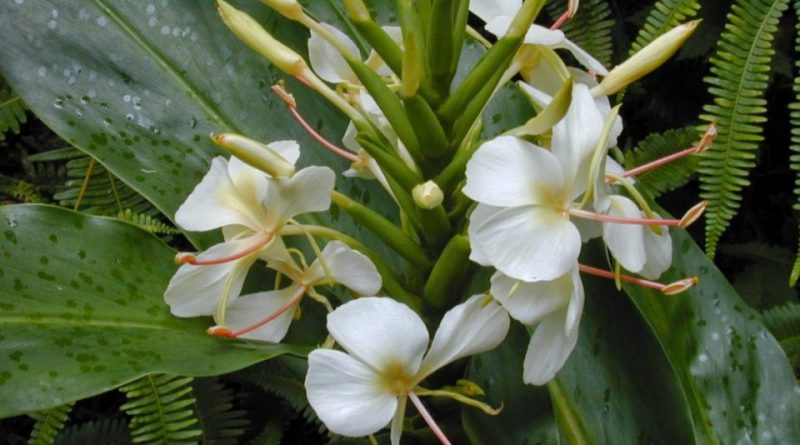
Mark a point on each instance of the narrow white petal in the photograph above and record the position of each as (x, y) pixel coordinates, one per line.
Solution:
(584, 58)
(529, 303)
(576, 136)
(309, 190)
(487, 10)
(625, 241)
(548, 350)
(346, 395)
(325, 59)
(509, 172)
(477, 218)
(539, 97)
(539, 35)
(251, 308)
(380, 332)
(575, 308)
(467, 329)
(196, 290)
(289, 150)
(347, 267)
(529, 243)
(397, 421)
(658, 249)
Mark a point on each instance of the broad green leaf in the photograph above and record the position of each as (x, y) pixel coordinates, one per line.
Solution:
(82, 311)
(736, 381)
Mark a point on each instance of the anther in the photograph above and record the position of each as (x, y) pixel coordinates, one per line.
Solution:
(703, 145)
(220, 331)
(185, 258)
(679, 286)
(693, 214)
(572, 8)
(666, 289)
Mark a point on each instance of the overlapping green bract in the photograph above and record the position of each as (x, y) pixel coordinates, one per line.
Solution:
(665, 15)
(740, 71)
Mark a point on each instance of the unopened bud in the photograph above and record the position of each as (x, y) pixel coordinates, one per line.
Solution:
(357, 11)
(427, 195)
(692, 214)
(679, 286)
(255, 153)
(287, 8)
(260, 41)
(645, 60)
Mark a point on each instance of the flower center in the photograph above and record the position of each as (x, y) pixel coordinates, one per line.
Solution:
(396, 379)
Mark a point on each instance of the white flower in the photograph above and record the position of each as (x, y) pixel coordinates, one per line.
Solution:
(337, 263)
(360, 391)
(498, 15)
(556, 307)
(521, 225)
(251, 208)
(329, 65)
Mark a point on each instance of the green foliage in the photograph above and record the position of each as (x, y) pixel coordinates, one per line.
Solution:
(784, 323)
(590, 28)
(20, 190)
(100, 432)
(219, 422)
(794, 164)
(12, 110)
(161, 409)
(48, 424)
(147, 222)
(658, 145)
(665, 15)
(740, 71)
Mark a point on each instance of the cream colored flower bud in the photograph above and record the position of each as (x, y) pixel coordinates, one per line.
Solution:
(287, 8)
(427, 195)
(254, 153)
(357, 10)
(259, 40)
(645, 60)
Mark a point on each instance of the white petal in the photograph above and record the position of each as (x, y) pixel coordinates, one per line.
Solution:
(575, 308)
(577, 134)
(548, 350)
(196, 290)
(345, 395)
(467, 329)
(325, 59)
(529, 243)
(487, 10)
(539, 35)
(529, 303)
(539, 97)
(251, 308)
(478, 216)
(397, 422)
(309, 190)
(289, 150)
(380, 332)
(584, 58)
(498, 25)
(625, 241)
(349, 138)
(508, 172)
(347, 267)
(217, 201)
(658, 249)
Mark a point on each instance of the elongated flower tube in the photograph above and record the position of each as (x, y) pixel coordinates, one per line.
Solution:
(361, 390)
(251, 208)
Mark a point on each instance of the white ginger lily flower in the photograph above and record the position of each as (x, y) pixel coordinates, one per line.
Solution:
(498, 15)
(337, 263)
(251, 208)
(360, 391)
(522, 225)
(556, 307)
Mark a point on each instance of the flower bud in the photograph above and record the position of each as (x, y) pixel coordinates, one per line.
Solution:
(259, 40)
(287, 8)
(357, 11)
(645, 60)
(254, 153)
(427, 195)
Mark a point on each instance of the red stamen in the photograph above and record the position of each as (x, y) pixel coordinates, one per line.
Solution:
(568, 14)
(585, 214)
(190, 258)
(667, 289)
(428, 419)
(705, 142)
(292, 105)
(280, 311)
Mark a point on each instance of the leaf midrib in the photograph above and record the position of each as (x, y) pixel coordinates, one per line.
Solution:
(77, 321)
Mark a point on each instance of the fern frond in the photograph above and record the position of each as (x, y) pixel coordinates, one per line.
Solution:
(271, 434)
(161, 409)
(784, 323)
(20, 190)
(12, 110)
(794, 160)
(658, 145)
(48, 424)
(590, 28)
(219, 422)
(740, 71)
(105, 432)
(147, 222)
(665, 15)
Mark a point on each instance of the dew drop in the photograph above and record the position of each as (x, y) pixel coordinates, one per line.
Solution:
(102, 21)
(58, 103)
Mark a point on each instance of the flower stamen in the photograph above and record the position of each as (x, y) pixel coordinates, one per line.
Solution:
(277, 313)
(189, 258)
(428, 418)
(572, 8)
(705, 142)
(691, 216)
(666, 289)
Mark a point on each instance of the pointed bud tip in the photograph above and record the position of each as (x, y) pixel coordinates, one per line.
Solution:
(680, 286)
(220, 331)
(693, 214)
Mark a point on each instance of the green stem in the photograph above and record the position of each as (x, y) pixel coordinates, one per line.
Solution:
(427, 126)
(385, 230)
(390, 163)
(390, 281)
(451, 175)
(449, 275)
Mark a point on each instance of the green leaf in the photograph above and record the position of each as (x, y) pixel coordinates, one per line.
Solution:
(78, 318)
(12, 110)
(734, 377)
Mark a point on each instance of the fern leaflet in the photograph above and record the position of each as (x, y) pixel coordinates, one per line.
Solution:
(12, 110)
(794, 160)
(105, 432)
(784, 323)
(665, 15)
(220, 423)
(48, 424)
(161, 409)
(147, 222)
(658, 145)
(590, 28)
(740, 71)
